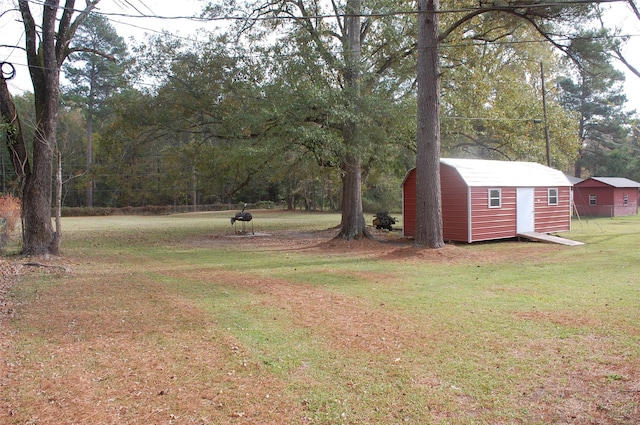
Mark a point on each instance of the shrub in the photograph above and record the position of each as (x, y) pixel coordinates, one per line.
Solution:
(10, 210)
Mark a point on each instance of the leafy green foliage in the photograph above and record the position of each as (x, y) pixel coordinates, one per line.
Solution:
(261, 114)
(595, 94)
(492, 98)
(95, 72)
(95, 69)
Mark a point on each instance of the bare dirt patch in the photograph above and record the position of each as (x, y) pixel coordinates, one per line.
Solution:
(391, 246)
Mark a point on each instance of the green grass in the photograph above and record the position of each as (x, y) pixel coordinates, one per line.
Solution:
(511, 332)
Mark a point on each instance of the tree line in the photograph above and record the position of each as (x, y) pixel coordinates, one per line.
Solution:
(315, 105)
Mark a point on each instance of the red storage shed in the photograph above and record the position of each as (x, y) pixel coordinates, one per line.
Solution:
(484, 199)
(606, 197)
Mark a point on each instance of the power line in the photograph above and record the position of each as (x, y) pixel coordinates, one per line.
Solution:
(533, 120)
(469, 9)
(488, 8)
(444, 46)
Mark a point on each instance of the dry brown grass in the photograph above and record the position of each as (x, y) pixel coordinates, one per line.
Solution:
(125, 352)
(109, 344)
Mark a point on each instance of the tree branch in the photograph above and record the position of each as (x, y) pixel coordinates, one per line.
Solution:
(9, 46)
(523, 11)
(96, 52)
(615, 46)
(564, 49)
(466, 18)
(66, 33)
(626, 63)
(62, 37)
(634, 7)
(475, 142)
(31, 41)
(336, 11)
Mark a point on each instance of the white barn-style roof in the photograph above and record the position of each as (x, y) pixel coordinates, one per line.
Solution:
(483, 172)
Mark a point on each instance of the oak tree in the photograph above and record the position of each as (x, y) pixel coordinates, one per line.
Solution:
(350, 63)
(47, 45)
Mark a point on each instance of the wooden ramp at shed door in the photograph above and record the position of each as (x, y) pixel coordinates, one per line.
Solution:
(543, 237)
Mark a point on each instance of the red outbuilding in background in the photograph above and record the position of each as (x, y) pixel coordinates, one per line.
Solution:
(606, 197)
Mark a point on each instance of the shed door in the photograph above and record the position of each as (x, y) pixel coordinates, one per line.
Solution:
(525, 207)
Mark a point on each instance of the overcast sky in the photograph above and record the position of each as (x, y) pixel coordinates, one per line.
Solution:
(621, 16)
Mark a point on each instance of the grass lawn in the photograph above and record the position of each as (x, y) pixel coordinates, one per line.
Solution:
(181, 320)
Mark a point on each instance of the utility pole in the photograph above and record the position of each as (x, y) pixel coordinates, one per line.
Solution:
(544, 114)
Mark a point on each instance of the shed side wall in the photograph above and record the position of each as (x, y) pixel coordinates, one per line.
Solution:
(455, 208)
(609, 201)
(631, 208)
(492, 223)
(409, 204)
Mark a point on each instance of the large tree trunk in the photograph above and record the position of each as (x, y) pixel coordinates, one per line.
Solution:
(428, 195)
(36, 198)
(36, 203)
(46, 51)
(353, 225)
